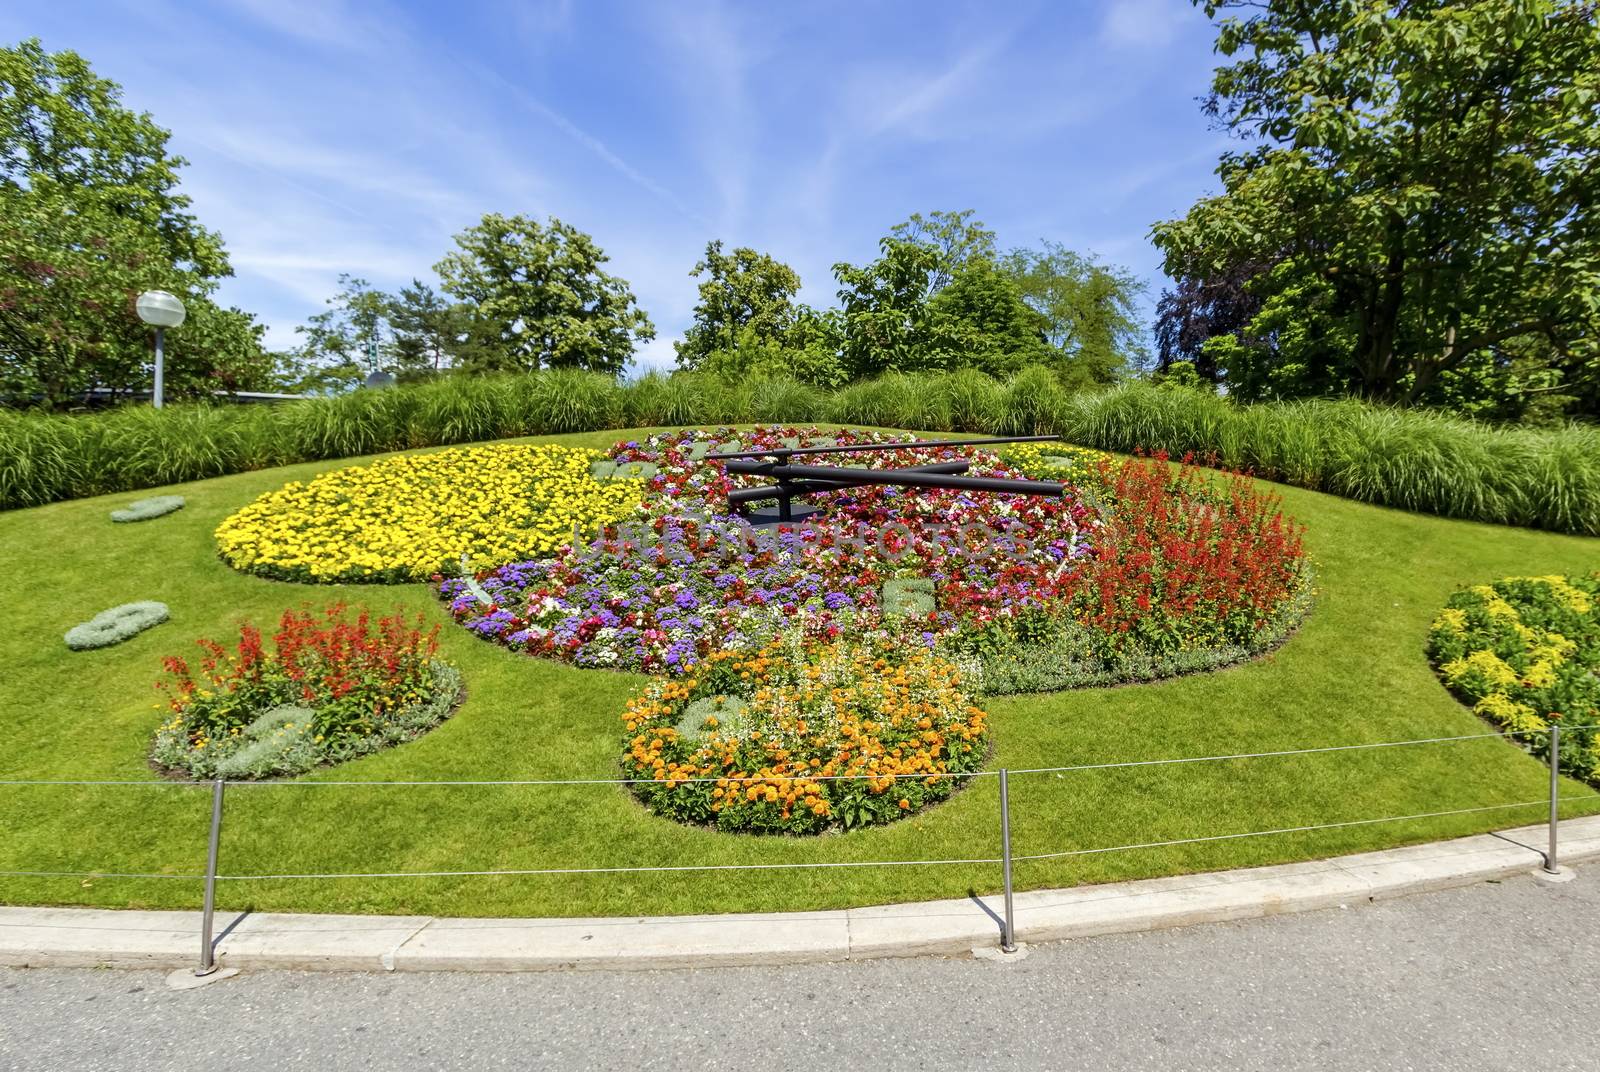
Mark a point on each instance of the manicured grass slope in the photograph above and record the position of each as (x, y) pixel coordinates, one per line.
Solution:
(1355, 672)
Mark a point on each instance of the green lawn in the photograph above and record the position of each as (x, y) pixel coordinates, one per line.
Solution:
(1355, 672)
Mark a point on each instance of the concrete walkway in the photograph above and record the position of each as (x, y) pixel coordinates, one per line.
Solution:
(1485, 978)
(74, 937)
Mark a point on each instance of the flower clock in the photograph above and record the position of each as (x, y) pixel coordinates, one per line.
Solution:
(1141, 566)
(818, 675)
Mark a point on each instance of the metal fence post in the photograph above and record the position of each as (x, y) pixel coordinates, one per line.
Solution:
(208, 958)
(1551, 866)
(1008, 931)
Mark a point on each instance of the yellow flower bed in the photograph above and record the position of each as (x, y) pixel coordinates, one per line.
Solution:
(1523, 651)
(409, 517)
(1055, 461)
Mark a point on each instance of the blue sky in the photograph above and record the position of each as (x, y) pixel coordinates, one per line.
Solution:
(329, 136)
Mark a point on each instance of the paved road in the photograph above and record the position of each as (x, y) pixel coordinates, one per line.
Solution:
(1498, 976)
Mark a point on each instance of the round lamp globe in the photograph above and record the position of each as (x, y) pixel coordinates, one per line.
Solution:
(160, 309)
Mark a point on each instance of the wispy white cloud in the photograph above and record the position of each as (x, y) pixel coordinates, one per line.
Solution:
(331, 136)
(326, 23)
(709, 52)
(906, 100)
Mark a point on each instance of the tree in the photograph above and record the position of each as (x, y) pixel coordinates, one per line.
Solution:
(979, 320)
(955, 238)
(745, 297)
(1423, 177)
(1089, 311)
(885, 309)
(90, 215)
(937, 298)
(60, 122)
(429, 334)
(540, 295)
(1200, 308)
(344, 342)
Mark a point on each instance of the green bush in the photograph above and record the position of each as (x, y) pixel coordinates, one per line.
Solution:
(1412, 459)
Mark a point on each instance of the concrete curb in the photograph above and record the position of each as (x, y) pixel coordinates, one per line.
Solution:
(80, 937)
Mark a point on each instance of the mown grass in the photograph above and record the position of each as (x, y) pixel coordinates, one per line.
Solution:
(1415, 460)
(1354, 673)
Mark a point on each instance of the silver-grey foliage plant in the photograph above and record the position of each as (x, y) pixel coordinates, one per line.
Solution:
(116, 625)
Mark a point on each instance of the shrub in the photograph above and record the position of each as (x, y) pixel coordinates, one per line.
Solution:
(116, 625)
(1524, 651)
(413, 516)
(972, 399)
(569, 400)
(43, 459)
(1413, 459)
(141, 447)
(327, 687)
(148, 509)
(464, 409)
(749, 742)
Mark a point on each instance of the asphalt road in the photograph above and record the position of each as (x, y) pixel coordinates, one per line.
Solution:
(1498, 976)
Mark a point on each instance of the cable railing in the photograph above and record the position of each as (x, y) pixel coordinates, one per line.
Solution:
(1007, 859)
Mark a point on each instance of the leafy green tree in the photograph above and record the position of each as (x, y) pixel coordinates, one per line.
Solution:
(745, 297)
(884, 310)
(979, 320)
(955, 237)
(61, 122)
(90, 215)
(937, 298)
(344, 342)
(1424, 178)
(540, 295)
(1089, 311)
(431, 335)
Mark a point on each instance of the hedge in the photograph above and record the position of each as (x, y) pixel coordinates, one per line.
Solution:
(1412, 459)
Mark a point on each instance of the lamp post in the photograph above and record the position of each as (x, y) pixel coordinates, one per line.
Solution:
(162, 311)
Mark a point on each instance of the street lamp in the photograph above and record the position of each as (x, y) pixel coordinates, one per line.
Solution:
(162, 311)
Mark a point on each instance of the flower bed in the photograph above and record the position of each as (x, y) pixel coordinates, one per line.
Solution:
(1141, 567)
(408, 517)
(327, 688)
(767, 741)
(1526, 650)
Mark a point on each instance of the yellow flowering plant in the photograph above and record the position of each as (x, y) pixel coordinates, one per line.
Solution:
(1524, 651)
(1056, 461)
(414, 516)
(799, 738)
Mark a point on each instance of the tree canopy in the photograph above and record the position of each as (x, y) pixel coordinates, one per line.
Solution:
(745, 297)
(91, 215)
(1089, 311)
(540, 294)
(939, 296)
(1418, 196)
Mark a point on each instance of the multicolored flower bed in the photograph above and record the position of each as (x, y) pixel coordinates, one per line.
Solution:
(324, 688)
(1142, 568)
(1526, 650)
(411, 516)
(799, 738)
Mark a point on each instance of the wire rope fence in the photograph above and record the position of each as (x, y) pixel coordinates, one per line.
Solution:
(1007, 859)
